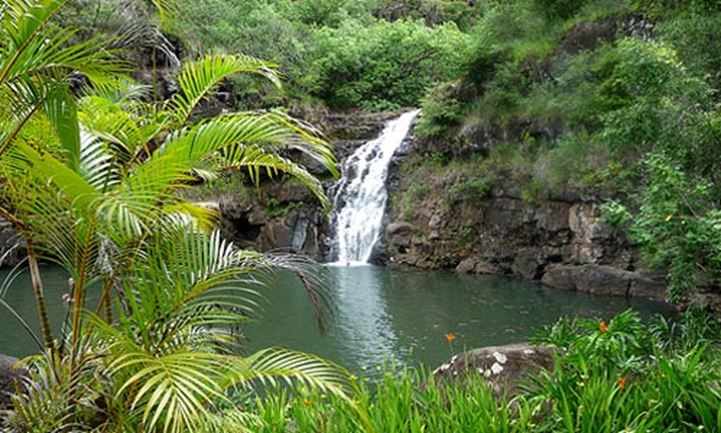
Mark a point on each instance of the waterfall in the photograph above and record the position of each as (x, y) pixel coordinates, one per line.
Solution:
(360, 196)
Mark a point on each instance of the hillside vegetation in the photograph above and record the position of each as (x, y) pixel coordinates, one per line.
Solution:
(612, 100)
(615, 100)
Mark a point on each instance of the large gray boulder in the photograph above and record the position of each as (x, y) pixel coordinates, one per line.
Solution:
(502, 366)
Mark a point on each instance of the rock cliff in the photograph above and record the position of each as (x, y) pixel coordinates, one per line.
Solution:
(440, 219)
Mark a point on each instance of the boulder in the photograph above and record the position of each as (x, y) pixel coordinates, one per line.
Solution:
(561, 277)
(477, 265)
(502, 366)
(605, 280)
(7, 378)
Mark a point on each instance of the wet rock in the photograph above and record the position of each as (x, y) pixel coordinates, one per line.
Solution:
(477, 265)
(467, 266)
(502, 366)
(649, 287)
(8, 376)
(296, 232)
(561, 277)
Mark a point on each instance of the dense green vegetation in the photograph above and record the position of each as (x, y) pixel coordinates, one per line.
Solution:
(613, 99)
(338, 52)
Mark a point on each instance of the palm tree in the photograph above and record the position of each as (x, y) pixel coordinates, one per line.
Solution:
(38, 67)
(100, 198)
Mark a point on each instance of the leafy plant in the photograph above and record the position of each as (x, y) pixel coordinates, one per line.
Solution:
(275, 209)
(471, 189)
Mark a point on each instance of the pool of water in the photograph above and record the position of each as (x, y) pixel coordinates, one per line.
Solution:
(382, 315)
(386, 315)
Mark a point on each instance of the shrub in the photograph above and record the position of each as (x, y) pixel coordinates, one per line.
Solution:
(442, 110)
(475, 188)
(674, 6)
(625, 375)
(559, 8)
(251, 27)
(677, 226)
(383, 65)
(697, 41)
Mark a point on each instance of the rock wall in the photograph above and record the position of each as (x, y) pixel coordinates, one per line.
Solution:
(561, 242)
(294, 222)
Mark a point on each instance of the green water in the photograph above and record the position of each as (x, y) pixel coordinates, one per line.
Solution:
(382, 315)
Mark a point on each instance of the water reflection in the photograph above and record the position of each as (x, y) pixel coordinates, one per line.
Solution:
(364, 323)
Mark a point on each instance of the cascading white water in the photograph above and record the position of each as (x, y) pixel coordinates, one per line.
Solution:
(360, 196)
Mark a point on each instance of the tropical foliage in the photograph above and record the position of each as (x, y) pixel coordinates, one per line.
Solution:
(343, 53)
(93, 165)
(584, 96)
(156, 294)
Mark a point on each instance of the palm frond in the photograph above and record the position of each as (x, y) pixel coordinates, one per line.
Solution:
(274, 366)
(124, 122)
(166, 9)
(54, 391)
(175, 392)
(61, 110)
(22, 23)
(198, 79)
(252, 141)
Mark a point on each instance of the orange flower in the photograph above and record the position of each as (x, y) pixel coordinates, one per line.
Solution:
(307, 402)
(603, 327)
(450, 337)
(621, 382)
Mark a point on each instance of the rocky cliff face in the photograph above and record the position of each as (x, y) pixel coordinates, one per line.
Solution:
(280, 217)
(560, 241)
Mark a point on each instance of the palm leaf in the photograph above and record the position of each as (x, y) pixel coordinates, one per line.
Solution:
(274, 366)
(198, 79)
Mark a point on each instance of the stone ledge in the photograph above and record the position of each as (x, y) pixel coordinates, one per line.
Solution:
(604, 280)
